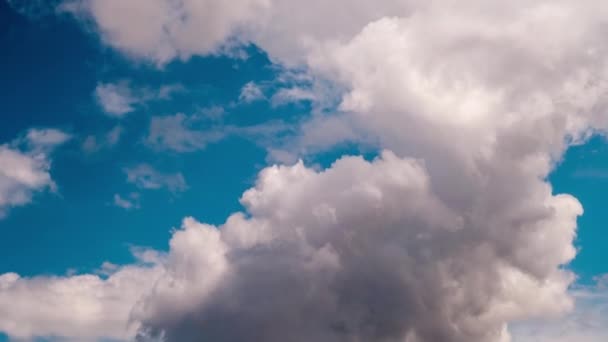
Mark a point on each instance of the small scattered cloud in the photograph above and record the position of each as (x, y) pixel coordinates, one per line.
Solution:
(213, 113)
(128, 203)
(120, 98)
(115, 99)
(48, 137)
(291, 95)
(25, 167)
(251, 92)
(176, 133)
(144, 176)
(181, 133)
(94, 143)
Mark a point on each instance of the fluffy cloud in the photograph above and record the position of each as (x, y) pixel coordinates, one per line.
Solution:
(82, 307)
(449, 237)
(588, 322)
(115, 99)
(165, 29)
(362, 250)
(25, 166)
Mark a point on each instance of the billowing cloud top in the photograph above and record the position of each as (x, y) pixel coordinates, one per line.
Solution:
(450, 235)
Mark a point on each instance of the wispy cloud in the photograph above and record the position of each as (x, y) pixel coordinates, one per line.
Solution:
(251, 92)
(110, 139)
(128, 203)
(181, 133)
(120, 98)
(144, 176)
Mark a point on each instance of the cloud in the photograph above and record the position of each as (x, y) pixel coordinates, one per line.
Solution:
(115, 99)
(164, 30)
(146, 177)
(120, 98)
(251, 92)
(25, 167)
(94, 143)
(291, 95)
(336, 255)
(181, 133)
(453, 234)
(48, 137)
(588, 322)
(82, 307)
(176, 133)
(128, 203)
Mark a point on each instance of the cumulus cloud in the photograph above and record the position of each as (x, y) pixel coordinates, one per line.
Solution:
(82, 307)
(25, 167)
(145, 176)
(588, 322)
(336, 255)
(452, 234)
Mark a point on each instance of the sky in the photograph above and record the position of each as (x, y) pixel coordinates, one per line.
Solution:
(199, 170)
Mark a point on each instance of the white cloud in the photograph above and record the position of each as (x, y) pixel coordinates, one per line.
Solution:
(164, 30)
(128, 203)
(120, 98)
(25, 171)
(448, 238)
(330, 255)
(48, 137)
(94, 143)
(82, 307)
(588, 322)
(115, 99)
(251, 92)
(146, 177)
(292, 95)
(176, 133)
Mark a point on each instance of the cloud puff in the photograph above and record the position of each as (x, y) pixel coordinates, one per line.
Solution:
(25, 166)
(588, 322)
(115, 99)
(362, 250)
(82, 307)
(449, 237)
(145, 176)
(164, 30)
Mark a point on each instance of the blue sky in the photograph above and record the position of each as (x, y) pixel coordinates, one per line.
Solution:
(50, 73)
(151, 140)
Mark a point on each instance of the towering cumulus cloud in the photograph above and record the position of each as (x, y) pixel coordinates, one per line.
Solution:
(452, 233)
